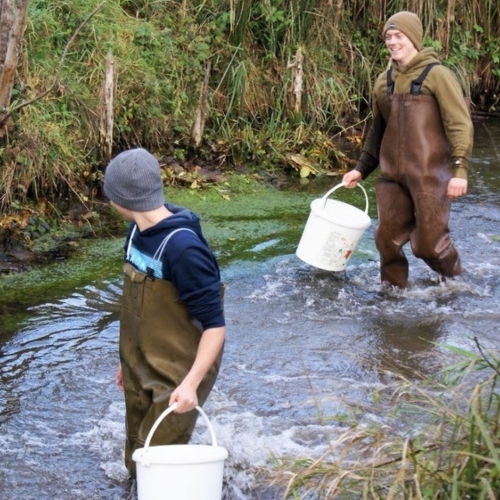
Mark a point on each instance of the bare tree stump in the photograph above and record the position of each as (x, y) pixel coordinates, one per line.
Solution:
(12, 24)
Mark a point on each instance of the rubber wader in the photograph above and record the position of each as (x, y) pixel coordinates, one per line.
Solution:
(415, 167)
(158, 344)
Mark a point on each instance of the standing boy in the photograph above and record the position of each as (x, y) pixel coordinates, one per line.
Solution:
(421, 138)
(172, 326)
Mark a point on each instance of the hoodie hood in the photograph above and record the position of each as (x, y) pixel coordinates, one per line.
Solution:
(419, 62)
(403, 78)
(182, 217)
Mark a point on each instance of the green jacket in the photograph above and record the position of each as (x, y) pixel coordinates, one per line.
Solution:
(444, 86)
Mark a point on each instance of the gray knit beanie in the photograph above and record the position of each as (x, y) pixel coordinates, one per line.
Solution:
(133, 180)
(409, 24)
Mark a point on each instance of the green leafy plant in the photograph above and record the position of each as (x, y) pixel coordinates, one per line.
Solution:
(287, 77)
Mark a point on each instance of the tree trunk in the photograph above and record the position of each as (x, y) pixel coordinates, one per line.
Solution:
(12, 24)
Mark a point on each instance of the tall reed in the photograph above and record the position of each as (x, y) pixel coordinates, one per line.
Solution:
(446, 443)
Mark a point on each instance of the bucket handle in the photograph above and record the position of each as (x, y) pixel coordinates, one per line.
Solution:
(328, 193)
(169, 410)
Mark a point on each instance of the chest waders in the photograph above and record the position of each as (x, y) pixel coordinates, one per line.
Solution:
(415, 167)
(158, 344)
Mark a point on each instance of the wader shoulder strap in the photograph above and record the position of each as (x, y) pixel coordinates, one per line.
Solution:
(129, 246)
(162, 245)
(416, 85)
(151, 266)
(390, 82)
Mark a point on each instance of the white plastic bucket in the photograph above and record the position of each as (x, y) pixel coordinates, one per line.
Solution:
(332, 232)
(180, 471)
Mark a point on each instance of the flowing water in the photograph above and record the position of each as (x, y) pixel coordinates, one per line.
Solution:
(305, 348)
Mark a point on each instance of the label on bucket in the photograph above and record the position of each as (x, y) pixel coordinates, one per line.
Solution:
(327, 243)
(331, 253)
(337, 249)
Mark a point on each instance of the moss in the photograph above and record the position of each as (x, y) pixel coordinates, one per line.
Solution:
(243, 219)
(92, 260)
(248, 214)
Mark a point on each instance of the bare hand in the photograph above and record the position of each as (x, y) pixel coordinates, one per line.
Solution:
(185, 397)
(119, 377)
(351, 179)
(456, 187)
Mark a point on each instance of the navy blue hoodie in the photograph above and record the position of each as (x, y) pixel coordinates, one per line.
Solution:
(186, 261)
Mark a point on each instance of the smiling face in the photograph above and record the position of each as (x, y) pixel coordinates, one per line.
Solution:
(400, 47)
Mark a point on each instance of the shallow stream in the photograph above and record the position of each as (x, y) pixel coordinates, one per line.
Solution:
(305, 347)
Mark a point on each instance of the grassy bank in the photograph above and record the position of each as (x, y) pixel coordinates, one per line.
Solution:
(287, 85)
(451, 450)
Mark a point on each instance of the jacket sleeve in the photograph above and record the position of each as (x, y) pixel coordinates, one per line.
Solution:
(195, 274)
(368, 160)
(456, 118)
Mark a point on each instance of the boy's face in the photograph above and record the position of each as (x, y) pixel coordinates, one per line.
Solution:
(400, 47)
(126, 214)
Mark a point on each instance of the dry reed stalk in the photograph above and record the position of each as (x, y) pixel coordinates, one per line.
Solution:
(450, 19)
(297, 67)
(106, 121)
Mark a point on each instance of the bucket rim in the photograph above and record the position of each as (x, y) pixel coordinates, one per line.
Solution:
(334, 188)
(149, 456)
(320, 212)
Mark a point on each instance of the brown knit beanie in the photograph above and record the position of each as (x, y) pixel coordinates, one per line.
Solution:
(409, 24)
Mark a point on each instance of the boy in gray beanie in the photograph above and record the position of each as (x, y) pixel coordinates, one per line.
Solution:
(421, 138)
(133, 181)
(172, 326)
